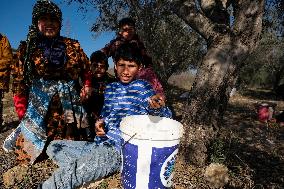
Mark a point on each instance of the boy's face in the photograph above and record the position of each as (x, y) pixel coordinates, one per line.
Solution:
(49, 25)
(99, 69)
(127, 32)
(126, 70)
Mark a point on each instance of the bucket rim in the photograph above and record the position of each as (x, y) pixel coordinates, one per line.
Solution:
(138, 138)
(129, 123)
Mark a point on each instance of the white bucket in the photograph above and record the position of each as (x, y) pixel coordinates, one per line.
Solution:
(149, 151)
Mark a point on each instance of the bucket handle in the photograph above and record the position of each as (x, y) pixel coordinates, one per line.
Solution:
(129, 139)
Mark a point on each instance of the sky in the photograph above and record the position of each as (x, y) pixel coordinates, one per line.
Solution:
(16, 17)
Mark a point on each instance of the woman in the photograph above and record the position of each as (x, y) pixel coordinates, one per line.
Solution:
(49, 69)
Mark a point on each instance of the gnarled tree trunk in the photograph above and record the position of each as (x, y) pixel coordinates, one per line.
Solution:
(228, 46)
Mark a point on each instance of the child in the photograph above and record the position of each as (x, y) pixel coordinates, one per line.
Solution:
(79, 161)
(6, 58)
(48, 70)
(127, 34)
(92, 94)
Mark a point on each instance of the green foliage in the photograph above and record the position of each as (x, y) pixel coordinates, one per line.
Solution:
(172, 44)
(264, 67)
(217, 151)
(103, 185)
(274, 17)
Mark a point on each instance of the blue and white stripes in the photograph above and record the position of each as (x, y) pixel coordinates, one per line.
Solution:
(127, 99)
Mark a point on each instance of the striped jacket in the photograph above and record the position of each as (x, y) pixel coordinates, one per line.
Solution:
(127, 99)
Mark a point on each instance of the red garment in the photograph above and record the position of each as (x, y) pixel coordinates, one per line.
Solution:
(20, 102)
(265, 113)
(149, 75)
(88, 76)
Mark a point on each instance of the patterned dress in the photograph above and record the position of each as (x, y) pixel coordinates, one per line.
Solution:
(6, 59)
(53, 109)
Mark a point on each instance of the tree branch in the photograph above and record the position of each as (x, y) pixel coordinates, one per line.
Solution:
(187, 10)
(134, 5)
(248, 21)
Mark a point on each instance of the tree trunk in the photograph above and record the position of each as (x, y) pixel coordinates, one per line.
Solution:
(210, 95)
(213, 83)
(228, 47)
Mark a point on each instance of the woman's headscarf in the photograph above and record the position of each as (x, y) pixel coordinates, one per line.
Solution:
(41, 8)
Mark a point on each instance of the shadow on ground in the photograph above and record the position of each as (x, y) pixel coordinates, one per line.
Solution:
(260, 94)
(7, 126)
(264, 169)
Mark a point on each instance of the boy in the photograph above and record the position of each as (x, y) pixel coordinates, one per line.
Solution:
(6, 58)
(127, 34)
(92, 94)
(80, 161)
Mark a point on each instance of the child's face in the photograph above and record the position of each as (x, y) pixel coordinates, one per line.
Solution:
(98, 69)
(49, 25)
(126, 70)
(127, 32)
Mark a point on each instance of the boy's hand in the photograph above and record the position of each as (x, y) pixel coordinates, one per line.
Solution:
(85, 93)
(157, 101)
(99, 128)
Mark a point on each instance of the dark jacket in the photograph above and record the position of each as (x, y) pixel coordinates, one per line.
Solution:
(113, 45)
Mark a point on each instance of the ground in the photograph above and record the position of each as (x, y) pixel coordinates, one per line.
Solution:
(252, 151)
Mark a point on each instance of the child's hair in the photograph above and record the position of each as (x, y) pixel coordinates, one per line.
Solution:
(126, 21)
(129, 52)
(99, 56)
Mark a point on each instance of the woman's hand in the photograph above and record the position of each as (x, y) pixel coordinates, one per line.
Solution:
(85, 93)
(99, 128)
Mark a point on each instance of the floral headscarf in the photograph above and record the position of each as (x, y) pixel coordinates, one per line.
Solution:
(41, 8)
(45, 7)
